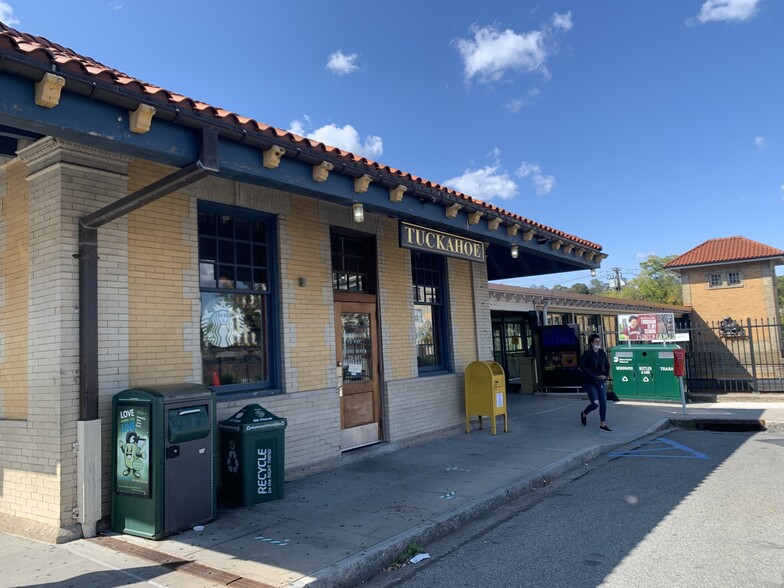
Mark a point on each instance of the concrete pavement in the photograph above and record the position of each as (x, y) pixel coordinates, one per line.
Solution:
(339, 527)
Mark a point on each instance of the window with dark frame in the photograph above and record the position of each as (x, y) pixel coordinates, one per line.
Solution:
(237, 297)
(428, 279)
(733, 278)
(352, 263)
(714, 280)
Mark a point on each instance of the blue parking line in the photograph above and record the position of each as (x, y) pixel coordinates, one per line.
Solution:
(692, 453)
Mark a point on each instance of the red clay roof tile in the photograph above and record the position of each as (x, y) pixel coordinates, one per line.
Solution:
(726, 249)
(41, 48)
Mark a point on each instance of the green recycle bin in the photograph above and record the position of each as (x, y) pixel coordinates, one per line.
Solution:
(252, 456)
(644, 372)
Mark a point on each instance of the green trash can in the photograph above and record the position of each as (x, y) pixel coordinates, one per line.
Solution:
(252, 453)
(163, 459)
(644, 372)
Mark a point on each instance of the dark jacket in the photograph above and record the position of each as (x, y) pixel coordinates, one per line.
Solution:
(593, 365)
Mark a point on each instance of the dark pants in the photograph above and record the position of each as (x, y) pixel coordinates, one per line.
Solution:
(598, 394)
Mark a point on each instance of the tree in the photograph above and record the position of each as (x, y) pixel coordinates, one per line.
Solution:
(654, 283)
(780, 288)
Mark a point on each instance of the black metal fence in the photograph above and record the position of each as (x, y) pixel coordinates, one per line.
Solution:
(734, 356)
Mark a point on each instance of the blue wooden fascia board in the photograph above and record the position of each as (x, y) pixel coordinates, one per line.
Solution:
(105, 126)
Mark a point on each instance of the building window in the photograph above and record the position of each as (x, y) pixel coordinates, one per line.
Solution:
(430, 316)
(352, 263)
(237, 297)
(733, 279)
(714, 280)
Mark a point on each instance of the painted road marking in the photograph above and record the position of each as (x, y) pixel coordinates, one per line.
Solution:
(282, 543)
(449, 495)
(456, 470)
(673, 445)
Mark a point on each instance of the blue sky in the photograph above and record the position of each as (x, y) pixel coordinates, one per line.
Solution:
(648, 126)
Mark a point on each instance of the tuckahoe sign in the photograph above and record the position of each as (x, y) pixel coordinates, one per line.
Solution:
(424, 239)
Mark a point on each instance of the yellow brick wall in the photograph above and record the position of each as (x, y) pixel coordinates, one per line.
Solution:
(739, 302)
(14, 281)
(461, 307)
(396, 304)
(158, 255)
(308, 312)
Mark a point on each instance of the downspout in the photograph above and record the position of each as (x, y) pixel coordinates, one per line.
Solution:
(89, 426)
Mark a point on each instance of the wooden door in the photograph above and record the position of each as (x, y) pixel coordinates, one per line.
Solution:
(357, 339)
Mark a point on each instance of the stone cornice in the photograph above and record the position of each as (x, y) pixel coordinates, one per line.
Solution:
(49, 151)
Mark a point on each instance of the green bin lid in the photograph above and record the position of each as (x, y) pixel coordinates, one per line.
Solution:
(250, 418)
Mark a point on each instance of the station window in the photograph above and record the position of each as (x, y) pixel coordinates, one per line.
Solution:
(237, 297)
(430, 311)
(352, 263)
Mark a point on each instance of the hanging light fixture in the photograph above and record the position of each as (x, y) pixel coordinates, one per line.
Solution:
(515, 252)
(593, 272)
(359, 212)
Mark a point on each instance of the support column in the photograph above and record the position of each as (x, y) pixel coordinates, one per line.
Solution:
(65, 182)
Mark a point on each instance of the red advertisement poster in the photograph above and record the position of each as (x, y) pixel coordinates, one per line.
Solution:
(646, 327)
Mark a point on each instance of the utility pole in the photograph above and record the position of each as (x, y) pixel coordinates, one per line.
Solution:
(618, 279)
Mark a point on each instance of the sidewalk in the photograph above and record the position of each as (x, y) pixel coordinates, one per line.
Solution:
(339, 527)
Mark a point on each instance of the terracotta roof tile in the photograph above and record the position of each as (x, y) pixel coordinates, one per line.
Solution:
(726, 249)
(42, 49)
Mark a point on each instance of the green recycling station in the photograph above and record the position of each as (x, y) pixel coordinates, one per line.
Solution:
(644, 372)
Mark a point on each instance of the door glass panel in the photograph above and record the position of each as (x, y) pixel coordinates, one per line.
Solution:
(357, 355)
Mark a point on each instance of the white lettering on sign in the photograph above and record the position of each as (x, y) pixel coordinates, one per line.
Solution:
(664, 368)
(621, 368)
(126, 414)
(264, 471)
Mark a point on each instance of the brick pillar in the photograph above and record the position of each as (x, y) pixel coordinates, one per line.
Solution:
(66, 181)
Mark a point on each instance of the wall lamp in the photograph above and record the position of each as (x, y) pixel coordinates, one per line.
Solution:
(515, 252)
(593, 272)
(359, 212)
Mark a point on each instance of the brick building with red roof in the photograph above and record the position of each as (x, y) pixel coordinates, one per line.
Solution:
(149, 238)
(730, 276)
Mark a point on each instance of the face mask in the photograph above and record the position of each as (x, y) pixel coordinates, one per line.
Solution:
(596, 347)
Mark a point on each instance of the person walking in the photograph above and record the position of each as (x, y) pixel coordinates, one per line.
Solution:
(595, 367)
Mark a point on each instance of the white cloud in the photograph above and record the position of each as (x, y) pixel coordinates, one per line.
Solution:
(7, 14)
(515, 105)
(782, 192)
(120, 4)
(543, 183)
(643, 255)
(726, 10)
(563, 21)
(345, 137)
(760, 143)
(341, 63)
(485, 183)
(493, 52)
